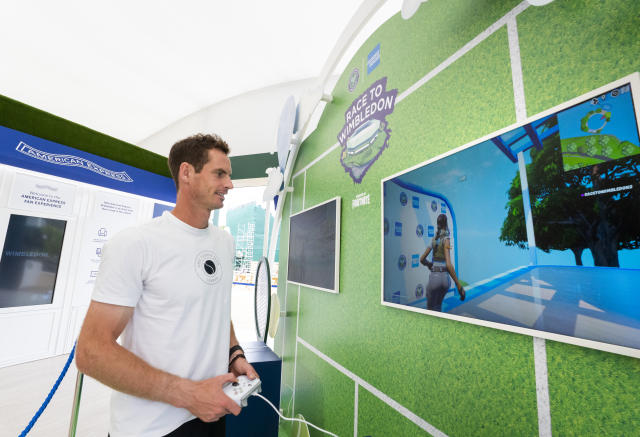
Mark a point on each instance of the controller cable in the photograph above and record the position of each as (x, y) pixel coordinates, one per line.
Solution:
(291, 418)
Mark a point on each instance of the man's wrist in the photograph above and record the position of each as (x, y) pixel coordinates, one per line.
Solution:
(235, 358)
(235, 352)
(179, 391)
(234, 349)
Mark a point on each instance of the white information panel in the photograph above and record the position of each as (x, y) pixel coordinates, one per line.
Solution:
(42, 195)
(109, 214)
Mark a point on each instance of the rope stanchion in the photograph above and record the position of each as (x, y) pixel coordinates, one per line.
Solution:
(76, 405)
(50, 395)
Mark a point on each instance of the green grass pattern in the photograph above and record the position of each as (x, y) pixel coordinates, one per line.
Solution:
(592, 393)
(324, 396)
(570, 47)
(377, 419)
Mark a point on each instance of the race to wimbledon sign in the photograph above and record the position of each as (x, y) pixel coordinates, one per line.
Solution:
(365, 133)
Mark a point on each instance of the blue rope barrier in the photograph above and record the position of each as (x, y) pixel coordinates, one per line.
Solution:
(50, 395)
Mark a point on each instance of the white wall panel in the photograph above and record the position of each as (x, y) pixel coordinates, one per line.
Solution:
(27, 335)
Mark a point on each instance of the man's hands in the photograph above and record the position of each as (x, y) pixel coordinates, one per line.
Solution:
(206, 400)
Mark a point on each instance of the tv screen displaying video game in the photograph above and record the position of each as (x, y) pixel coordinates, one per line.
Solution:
(533, 229)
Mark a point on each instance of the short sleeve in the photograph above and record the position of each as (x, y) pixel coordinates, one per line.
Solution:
(120, 280)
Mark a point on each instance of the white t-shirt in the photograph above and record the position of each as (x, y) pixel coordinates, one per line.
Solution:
(179, 280)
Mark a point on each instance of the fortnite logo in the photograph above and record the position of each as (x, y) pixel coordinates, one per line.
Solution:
(360, 200)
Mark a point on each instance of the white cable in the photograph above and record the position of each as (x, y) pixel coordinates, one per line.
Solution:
(291, 418)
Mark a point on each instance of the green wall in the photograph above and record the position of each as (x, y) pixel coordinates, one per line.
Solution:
(412, 371)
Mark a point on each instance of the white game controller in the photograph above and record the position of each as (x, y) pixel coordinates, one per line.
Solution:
(241, 390)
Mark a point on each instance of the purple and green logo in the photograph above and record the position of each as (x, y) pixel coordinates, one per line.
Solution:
(366, 132)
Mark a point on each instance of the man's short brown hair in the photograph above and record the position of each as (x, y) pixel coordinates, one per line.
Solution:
(195, 151)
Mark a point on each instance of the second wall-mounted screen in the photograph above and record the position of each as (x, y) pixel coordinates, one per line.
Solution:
(314, 247)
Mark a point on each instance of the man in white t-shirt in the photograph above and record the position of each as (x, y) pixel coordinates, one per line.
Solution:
(164, 289)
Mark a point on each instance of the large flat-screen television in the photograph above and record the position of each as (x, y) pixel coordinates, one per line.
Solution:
(314, 247)
(539, 222)
(30, 260)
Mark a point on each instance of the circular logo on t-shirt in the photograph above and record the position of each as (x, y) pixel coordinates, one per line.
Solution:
(207, 267)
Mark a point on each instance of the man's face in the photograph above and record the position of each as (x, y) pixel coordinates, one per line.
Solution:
(212, 183)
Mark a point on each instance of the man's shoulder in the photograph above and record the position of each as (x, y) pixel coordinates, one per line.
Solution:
(219, 232)
(221, 235)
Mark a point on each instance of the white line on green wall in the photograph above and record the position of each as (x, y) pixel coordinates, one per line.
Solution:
(542, 387)
(539, 345)
(377, 393)
(516, 70)
(295, 356)
(355, 411)
(465, 49)
(315, 161)
(284, 322)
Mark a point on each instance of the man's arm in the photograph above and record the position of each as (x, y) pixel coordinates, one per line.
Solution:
(100, 356)
(240, 366)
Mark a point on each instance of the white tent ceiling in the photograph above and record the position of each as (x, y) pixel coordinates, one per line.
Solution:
(131, 68)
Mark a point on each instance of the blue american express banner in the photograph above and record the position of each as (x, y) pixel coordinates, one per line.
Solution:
(19, 149)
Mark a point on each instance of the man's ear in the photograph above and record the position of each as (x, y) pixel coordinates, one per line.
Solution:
(185, 172)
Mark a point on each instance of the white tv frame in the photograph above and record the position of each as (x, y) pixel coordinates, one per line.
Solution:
(336, 279)
(632, 79)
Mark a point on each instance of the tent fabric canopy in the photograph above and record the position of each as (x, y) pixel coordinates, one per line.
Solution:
(129, 69)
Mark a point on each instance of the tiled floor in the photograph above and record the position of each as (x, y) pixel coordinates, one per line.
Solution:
(24, 387)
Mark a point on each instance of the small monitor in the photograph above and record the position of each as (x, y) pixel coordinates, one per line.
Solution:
(30, 260)
(314, 247)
